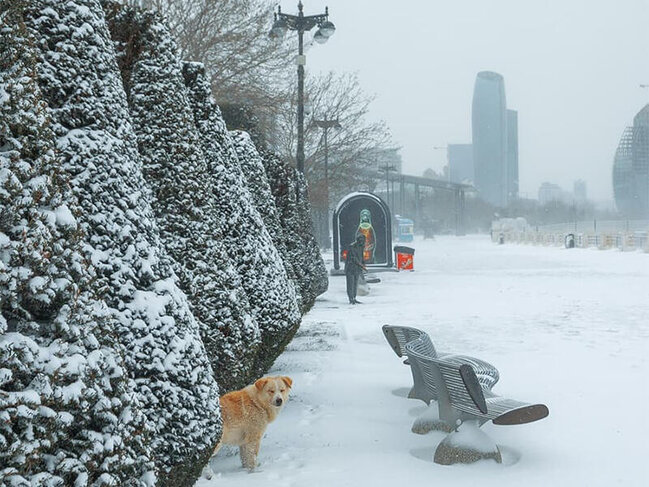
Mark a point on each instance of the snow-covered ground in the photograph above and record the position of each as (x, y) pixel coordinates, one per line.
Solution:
(568, 328)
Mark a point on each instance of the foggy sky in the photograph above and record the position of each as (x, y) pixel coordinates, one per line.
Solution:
(572, 69)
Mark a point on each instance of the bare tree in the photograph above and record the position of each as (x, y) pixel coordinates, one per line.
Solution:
(352, 149)
(231, 38)
(252, 75)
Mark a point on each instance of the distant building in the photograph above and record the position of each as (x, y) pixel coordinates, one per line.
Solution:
(460, 160)
(489, 130)
(495, 141)
(549, 192)
(579, 191)
(631, 168)
(512, 155)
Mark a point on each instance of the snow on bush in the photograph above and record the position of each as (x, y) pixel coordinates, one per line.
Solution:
(262, 196)
(249, 245)
(104, 378)
(176, 169)
(309, 251)
(80, 81)
(290, 191)
(67, 412)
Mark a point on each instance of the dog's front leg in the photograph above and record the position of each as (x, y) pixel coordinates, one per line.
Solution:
(249, 452)
(248, 456)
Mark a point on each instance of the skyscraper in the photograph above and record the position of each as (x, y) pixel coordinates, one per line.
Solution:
(489, 127)
(495, 141)
(512, 155)
(631, 168)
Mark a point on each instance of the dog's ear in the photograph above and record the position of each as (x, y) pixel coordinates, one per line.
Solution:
(260, 383)
(288, 381)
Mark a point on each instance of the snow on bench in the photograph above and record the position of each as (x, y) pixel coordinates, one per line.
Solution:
(465, 404)
(399, 336)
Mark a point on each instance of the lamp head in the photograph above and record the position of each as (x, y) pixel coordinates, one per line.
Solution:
(279, 28)
(319, 37)
(327, 28)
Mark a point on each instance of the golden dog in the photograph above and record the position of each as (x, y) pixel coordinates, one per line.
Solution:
(246, 414)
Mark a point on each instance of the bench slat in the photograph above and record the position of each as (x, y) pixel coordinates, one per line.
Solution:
(399, 336)
(487, 374)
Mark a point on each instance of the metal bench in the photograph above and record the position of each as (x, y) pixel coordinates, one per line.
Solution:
(399, 336)
(461, 398)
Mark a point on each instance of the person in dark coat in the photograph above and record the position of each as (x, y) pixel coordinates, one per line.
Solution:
(354, 267)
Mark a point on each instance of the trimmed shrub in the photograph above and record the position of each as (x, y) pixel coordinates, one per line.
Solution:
(164, 355)
(184, 197)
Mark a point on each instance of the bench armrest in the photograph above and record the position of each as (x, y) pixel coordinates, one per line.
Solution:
(473, 387)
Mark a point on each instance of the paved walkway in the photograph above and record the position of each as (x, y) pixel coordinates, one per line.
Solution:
(559, 324)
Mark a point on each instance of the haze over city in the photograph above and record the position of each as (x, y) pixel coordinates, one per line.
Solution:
(572, 70)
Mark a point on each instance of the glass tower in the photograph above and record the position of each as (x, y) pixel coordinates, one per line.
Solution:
(631, 169)
(489, 127)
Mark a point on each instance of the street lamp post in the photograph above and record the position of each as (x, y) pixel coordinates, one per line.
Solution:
(302, 23)
(325, 125)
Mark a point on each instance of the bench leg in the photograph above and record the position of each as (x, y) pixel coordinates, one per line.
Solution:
(415, 394)
(467, 445)
(429, 421)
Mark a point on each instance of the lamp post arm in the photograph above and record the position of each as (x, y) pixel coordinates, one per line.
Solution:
(302, 23)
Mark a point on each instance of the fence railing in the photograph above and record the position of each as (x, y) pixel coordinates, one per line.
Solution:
(596, 226)
(601, 239)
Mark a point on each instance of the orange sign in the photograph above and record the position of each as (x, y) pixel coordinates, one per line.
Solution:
(405, 262)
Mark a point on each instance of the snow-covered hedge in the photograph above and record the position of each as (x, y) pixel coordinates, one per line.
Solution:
(289, 188)
(142, 254)
(253, 170)
(184, 197)
(290, 205)
(163, 352)
(68, 415)
(272, 296)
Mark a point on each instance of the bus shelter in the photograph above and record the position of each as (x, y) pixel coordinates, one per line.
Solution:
(366, 214)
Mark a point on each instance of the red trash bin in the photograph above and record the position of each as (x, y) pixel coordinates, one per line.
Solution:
(404, 257)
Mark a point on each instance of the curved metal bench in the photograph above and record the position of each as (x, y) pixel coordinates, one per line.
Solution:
(461, 396)
(399, 336)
